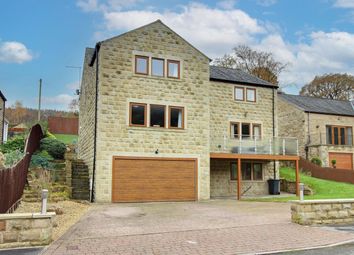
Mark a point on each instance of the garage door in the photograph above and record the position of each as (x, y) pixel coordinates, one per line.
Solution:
(154, 179)
(344, 160)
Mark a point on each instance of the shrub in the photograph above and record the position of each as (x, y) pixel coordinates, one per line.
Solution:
(42, 159)
(50, 135)
(316, 161)
(13, 157)
(15, 144)
(54, 147)
(334, 162)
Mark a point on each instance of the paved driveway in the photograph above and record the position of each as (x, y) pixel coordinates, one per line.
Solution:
(213, 227)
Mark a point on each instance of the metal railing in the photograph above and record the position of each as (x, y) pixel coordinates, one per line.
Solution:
(326, 139)
(255, 145)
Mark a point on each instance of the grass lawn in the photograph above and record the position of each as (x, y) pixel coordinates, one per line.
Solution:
(67, 139)
(323, 189)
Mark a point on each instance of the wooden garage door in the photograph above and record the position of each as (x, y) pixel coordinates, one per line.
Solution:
(153, 179)
(344, 160)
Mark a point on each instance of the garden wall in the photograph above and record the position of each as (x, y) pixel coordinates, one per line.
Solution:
(327, 211)
(25, 229)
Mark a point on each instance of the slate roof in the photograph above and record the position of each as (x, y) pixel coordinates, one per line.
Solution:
(2, 96)
(225, 74)
(320, 105)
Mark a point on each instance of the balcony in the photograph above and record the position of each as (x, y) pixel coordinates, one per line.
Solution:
(253, 145)
(331, 139)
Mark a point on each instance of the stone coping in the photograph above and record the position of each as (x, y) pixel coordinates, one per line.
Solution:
(10, 216)
(323, 201)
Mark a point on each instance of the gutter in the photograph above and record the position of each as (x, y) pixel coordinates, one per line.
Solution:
(97, 48)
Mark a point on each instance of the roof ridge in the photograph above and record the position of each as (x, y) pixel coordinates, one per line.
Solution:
(313, 97)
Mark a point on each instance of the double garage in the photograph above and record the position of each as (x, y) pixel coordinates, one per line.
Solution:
(143, 179)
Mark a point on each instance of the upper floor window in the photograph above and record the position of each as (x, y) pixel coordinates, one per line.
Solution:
(235, 129)
(239, 94)
(246, 130)
(245, 94)
(339, 135)
(141, 65)
(158, 67)
(137, 114)
(250, 95)
(173, 69)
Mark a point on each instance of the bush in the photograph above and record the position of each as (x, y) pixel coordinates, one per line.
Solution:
(15, 144)
(50, 135)
(316, 161)
(42, 159)
(54, 147)
(13, 157)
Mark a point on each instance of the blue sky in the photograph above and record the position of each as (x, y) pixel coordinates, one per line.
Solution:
(39, 38)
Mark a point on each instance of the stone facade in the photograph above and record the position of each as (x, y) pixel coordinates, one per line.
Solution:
(310, 212)
(25, 229)
(310, 129)
(222, 186)
(209, 106)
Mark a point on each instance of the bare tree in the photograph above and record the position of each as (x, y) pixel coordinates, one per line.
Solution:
(332, 86)
(259, 63)
(74, 106)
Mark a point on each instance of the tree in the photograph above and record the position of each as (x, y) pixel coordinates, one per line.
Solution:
(74, 106)
(332, 86)
(259, 63)
(19, 112)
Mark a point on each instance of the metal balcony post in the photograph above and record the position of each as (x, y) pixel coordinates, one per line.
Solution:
(297, 147)
(283, 146)
(240, 144)
(224, 142)
(270, 145)
(255, 144)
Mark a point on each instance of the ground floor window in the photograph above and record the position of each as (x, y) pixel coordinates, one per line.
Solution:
(250, 171)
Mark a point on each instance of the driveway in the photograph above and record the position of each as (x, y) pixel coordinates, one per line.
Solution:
(212, 227)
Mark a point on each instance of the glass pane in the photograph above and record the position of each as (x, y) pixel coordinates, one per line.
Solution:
(251, 95)
(329, 135)
(336, 135)
(138, 115)
(234, 130)
(233, 171)
(246, 130)
(256, 131)
(157, 67)
(257, 172)
(342, 135)
(176, 118)
(349, 136)
(141, 65)
(157, 116)
(238, 93)
(173, 69)
(246, 171)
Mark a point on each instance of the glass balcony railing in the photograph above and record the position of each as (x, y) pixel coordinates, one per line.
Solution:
(255, 145)
(334, 139)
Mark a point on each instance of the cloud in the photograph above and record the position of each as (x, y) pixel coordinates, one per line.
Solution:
(60, 101)
(219, 31)
(344, 3)
(88, 5)
(266, 3)
(14, 52)
(73, 86)
(226, 4)
(108, 5)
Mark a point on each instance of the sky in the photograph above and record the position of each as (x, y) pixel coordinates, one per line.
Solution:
(41, 38)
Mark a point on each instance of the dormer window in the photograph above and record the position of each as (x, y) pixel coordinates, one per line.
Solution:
(141, 65)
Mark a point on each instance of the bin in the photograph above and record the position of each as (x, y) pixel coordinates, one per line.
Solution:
(274, 187)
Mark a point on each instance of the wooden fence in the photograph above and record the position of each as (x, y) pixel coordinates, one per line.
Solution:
(63, 125)
(327, 173)
(13, 180)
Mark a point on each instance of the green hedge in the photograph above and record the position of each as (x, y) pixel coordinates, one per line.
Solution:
(54, 147)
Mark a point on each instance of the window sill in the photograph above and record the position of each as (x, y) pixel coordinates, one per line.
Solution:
(245, 102)
(135, 75)
(157, 129)
(243, 181)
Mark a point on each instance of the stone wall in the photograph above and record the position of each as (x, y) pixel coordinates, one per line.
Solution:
(87, 112)
(222, 186)
(25, 229)
(292, 123)
(119, 85)
(80, 182)
(336, 211)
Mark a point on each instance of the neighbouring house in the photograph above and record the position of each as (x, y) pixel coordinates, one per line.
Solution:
(158, 123)
(17, 129)
(63, 125)
(324, 128)
(2, 116)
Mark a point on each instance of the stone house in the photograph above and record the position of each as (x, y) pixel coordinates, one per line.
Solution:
(3, 125)
(158, 123)
(324, 128)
